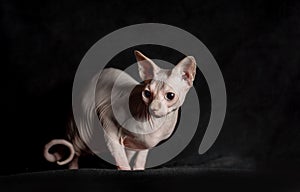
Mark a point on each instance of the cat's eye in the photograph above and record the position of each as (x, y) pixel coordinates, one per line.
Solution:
(170, 96)
(147, 94)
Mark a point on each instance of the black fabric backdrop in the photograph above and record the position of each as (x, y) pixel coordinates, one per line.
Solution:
(256, 44)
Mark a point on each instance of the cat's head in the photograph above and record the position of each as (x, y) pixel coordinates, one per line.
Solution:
(165, 89)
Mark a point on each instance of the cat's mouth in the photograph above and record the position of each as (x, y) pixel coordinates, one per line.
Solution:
(157, 114)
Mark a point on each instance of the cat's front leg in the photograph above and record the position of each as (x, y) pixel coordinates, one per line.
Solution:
(140, 160)
(118, 152)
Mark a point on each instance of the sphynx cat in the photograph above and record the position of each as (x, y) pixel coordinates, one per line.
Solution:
(135, 116)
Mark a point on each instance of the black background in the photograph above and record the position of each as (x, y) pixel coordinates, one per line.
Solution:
(256, 44)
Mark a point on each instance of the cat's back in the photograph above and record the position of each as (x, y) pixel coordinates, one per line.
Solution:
(110, 77)
(113, 83)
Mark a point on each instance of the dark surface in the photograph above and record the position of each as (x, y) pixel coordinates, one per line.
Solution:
(256, 44)
(167, 179)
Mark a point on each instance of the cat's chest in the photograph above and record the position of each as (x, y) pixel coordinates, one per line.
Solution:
(149, 140)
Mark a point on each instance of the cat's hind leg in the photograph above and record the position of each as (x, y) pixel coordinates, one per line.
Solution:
(74, 163)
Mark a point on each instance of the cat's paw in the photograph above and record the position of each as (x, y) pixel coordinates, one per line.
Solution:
(138, 168)
(123, 168)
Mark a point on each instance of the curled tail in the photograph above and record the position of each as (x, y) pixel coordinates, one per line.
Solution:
(56, 156)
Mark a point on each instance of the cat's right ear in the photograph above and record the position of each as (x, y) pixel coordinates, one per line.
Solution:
(147, 68)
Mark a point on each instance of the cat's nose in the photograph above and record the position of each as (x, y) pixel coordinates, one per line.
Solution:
(155, 105)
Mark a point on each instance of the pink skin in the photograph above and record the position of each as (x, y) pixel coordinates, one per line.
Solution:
(124, 145)
(56, 157)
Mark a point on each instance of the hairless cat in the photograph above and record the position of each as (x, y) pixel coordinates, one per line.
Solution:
(152, 116)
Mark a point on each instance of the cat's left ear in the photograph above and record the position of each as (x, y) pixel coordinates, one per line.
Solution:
(187, 69)
(147, 68)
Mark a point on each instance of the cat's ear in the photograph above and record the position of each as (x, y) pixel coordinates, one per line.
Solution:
(187, 69)
(147, 68)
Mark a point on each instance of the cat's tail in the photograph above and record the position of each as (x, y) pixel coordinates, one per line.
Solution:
(56, 156)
